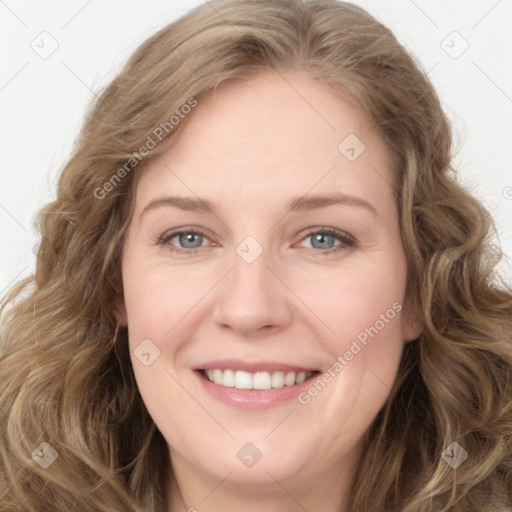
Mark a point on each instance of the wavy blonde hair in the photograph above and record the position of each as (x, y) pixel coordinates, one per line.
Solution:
(66, 372)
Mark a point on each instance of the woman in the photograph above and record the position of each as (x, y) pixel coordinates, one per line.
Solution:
(260, 286)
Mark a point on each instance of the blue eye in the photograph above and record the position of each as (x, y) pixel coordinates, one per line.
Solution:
(190, 240)
(323, 239)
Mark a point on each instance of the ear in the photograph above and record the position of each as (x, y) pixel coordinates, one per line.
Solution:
(119, 311)
(412, 326)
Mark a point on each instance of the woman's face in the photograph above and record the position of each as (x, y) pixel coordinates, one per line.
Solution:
(295, 271)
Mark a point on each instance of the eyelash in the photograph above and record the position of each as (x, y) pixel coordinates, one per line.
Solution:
(346, 240)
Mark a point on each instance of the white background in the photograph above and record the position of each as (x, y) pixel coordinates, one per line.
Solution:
(42, 101)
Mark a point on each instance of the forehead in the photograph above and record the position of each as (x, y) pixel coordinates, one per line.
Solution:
(270, 135)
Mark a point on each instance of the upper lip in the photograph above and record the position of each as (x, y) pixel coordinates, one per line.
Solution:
(252, 366)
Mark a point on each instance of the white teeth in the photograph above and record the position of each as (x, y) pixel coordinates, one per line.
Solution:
(217, 376)
(228, 379)
(301, 377)
(289, 379)
(243, 380)
(259, 380)
(277, 379)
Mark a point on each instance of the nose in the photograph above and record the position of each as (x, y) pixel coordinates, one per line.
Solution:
(252, 299)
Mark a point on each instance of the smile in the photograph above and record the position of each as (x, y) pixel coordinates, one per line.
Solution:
(240, 379)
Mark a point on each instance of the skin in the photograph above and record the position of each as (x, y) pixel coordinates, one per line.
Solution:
(249, 148)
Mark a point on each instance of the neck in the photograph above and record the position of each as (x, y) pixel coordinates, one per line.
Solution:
(325, 490)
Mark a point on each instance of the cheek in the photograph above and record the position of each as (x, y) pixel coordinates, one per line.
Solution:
(158, 297)
(157, 301)
(356, 298)
(160, 301)
(361, 309)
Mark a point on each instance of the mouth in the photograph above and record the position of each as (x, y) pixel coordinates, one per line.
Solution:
(261, 380)
(253, 385)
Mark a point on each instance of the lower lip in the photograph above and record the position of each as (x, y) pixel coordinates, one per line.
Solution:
(253, 398)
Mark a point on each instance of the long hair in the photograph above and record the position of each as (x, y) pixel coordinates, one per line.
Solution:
(66, 376)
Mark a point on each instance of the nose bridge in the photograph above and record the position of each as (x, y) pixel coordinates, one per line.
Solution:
(251, 296)
(250, 266)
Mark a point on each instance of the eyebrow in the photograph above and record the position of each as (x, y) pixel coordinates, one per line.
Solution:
(301, 203)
